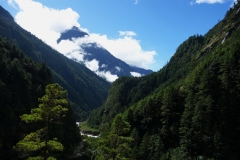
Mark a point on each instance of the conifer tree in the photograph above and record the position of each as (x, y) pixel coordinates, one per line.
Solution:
(167, 110)
(51, 110)
(116, 145)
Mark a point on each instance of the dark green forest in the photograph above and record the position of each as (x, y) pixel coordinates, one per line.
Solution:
(187, 110)
(86, 90)
(22, 82)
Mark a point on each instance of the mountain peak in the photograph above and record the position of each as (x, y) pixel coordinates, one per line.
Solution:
(106, 62)
(74, 32)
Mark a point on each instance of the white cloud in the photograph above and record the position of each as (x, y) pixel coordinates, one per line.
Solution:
(48, 24)
(125, 48)
(103, 66)
(209, 1)
(127, 33)
(92, 65)
(107, 75)
(75, 56)
(135, 74)
(66, 47)
(136, 2)
(118, 68)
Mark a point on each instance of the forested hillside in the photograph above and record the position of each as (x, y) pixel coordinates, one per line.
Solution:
(22, 82)
(187, 110)
(86, 90)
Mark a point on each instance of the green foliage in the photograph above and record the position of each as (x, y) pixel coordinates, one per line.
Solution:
(177, 154)
(22, 81)
(84, 127)
(151, 147)
(115, 145)
(51, 109)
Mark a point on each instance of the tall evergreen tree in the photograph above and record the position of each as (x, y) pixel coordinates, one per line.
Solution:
(51, 109)
(116, 145)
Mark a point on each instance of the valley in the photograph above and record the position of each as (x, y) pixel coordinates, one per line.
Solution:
(54, 106)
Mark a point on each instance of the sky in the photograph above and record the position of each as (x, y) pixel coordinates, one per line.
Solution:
(143, 33)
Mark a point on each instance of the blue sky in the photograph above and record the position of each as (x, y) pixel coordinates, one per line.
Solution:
(145, 33)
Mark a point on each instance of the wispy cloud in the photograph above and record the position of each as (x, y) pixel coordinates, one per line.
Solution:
(11, 3)
(209, 1)
(127, 33)
(192, 3)
(135, 74)
(136, 2)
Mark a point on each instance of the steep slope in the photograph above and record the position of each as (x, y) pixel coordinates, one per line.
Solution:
(106, 61)
(22, 82)
(189, 109)
(85, 89)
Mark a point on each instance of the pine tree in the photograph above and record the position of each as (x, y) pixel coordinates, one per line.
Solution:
(167, 110)
(116, 145)
(51, 110)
